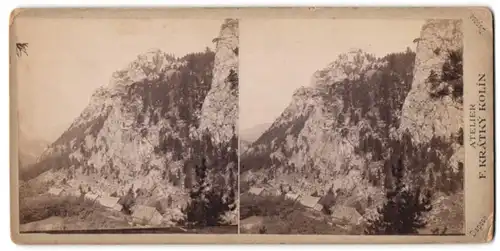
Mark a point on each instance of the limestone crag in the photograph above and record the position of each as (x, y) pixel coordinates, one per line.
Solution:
(424, 116)
(119, 142)
(145, 132)
(220, 108)
(308, 147)
(348, 65)
(360, 116)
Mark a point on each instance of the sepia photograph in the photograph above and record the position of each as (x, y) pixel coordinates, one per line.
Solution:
(127, 125)
(251, 125)
(356, 128)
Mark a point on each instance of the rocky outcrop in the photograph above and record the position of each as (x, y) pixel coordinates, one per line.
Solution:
(433, 117)
(317, 143)
(361, 115)
(132, 134)
(144, 134)
(219, 113)
(431, 109)
(348, 65)
(423, 115)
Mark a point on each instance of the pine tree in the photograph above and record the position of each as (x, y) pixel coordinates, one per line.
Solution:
(21, 48)
(404, 208)
(233, 157)
(232, 187)
(128, 201)
(215, 207)
(232, 78)
(188, 183)
(431, 179)
(206, 204)
(197, 208)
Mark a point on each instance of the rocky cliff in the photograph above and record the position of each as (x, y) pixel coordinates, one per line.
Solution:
(423, 114)
(322, 139)
(432, 116)
(434, 107)
(220, 107)
(147, 130)
(361, 114)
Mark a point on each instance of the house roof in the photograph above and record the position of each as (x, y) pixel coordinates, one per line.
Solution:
(309, 201)
(108, 201)
(292, 196)
(345, 213)
(144, 212)
(91, 196)
(118, 207)
(256, 190)
(271, 191)
(55, 191)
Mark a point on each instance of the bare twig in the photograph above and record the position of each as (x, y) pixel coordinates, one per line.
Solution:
(20, 48)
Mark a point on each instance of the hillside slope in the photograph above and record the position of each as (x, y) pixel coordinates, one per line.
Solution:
(149, 129)
(343, 132)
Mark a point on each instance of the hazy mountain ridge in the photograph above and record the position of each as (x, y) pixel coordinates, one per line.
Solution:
(348, 127)
(29, 149)
(142, 132)
(253, 133)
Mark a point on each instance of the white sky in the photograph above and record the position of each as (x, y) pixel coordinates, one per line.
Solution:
(278, 56)
(69, 58)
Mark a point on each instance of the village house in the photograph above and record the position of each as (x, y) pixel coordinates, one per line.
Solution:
(345, 215)
(110, 202)
(271, 192)
(117, 207)
(256, 190)
(309, 201)
(91, 196)
(146, 215)
(55, 191)
(291, 196)
(72, 192)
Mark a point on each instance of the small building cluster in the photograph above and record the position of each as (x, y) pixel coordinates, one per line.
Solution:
(339, 214)
(264, 191)
(306, 200)
(110, 202)
(141, 214)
